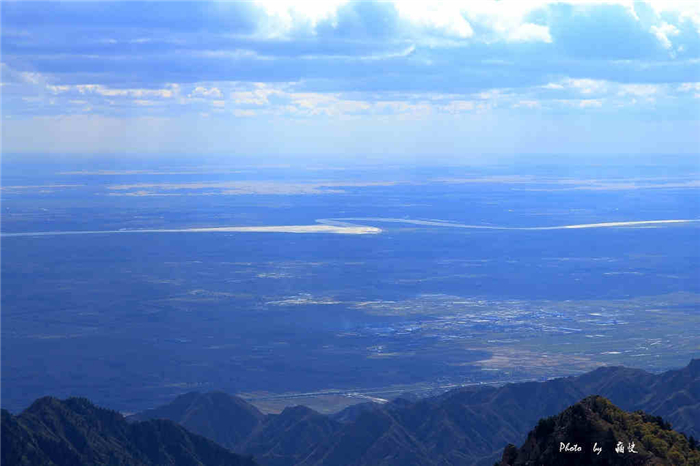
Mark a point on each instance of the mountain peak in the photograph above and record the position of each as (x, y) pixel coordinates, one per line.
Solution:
(594, 431)
(224, 418)
(297, 411)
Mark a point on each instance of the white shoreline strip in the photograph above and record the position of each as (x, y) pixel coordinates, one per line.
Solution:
(440, 223)
(353, 230)
(625, 224)
(342, 227)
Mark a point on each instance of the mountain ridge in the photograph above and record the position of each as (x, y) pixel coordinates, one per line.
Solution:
(465, 426)
(75, 432)
(469, 425)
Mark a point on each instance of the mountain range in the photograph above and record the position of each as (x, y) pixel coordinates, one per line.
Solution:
(75, 432)
(465, 426)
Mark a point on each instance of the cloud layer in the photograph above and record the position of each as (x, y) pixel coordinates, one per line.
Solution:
(316, 67)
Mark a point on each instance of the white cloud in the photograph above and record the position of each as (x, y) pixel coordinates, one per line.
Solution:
(587, 103)
(395, 106)
(312, 99)
(32, 78)
(84, 88)
(662, 32)
(491, 94)
(527, 104)
(351, 106)
(443, 17)
(455, 19)
(249, 98)
(258, 96)
(136, 92)
(201, 91)
(109, 92)
(587, 86)
(581, 103)
(685, 87)
(436, 17)
(285, 16)
(686, 9)
(530, 33)
(553, 86)
(598, 87)
(57, 89)
(459, 106)
(638, 89)
(507, 19)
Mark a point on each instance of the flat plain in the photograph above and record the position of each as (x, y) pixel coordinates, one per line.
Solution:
(239, 297)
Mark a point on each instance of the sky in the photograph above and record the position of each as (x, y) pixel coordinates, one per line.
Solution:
(403, 80)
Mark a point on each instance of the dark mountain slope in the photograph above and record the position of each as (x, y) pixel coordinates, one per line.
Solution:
(470, 425)
(619, 382)
(290, 437)
(226, 419)
(374, 438)
(571, 438)
(75, 432)
(352, 412)
(675, 395)
(19, 446)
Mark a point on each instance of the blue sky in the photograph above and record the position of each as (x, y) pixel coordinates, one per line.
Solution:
(403, 80)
